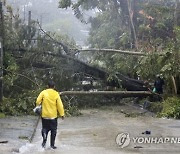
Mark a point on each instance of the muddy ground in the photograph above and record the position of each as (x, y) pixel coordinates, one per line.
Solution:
(95, 131)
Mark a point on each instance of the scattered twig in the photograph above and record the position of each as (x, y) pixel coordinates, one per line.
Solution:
(3, 142)
(22, 76)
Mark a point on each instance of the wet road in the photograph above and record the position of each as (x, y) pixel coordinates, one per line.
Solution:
(95, 132)
(16, 131)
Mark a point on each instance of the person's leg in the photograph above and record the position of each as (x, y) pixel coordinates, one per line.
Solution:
(53, 133)
(53, 137)
(44, 131)
(44, 135)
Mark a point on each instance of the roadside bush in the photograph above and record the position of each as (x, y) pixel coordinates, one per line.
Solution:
(25, 102)
(171, 108)
(22, 105)
(70, 106)
(155, 107)
(2, 115)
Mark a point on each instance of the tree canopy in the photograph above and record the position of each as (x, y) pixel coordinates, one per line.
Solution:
(32, 55)
(148, 26)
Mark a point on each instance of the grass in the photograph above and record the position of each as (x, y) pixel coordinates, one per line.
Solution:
(2, 115)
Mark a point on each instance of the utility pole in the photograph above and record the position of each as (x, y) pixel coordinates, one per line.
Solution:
(1, 51)
(24, 13)
(41, 20)
(29, 27)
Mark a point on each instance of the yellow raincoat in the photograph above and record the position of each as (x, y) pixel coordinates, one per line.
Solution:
(51, 103)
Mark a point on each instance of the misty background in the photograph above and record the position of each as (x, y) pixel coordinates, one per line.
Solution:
(53, 18)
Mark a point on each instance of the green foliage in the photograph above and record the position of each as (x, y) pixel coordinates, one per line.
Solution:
(64, 3)
(2, 115)
(22, 104)
(155, 107)
(149, 66)
(171, 108)
(27, 69)
(70, 105)
(71, 110)
(105, 32)
(154, 26)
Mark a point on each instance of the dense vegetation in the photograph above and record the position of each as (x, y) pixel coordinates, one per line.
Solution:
(147, 26)
(32, 56)
(150, 26)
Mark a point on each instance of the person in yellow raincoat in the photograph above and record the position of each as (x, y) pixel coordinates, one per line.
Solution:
(51, 106)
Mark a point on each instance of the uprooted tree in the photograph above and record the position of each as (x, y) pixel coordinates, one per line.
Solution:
(32, 58)
(148, 26)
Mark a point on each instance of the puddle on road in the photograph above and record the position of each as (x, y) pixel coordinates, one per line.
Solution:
(30, 148)
(36, 148)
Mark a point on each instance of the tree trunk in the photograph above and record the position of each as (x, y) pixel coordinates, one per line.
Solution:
(1, 50)
(177, 13)
(174, 84)
(131, 17)
(79, 66)
(122, 94)
(114, 51)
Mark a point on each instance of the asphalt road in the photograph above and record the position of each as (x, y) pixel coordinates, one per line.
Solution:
(95, 132)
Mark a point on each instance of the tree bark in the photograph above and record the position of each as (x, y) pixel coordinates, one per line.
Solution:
(174, 84)
(1, 50)
(177, 13)
(122, 94)
(131, 16)
(115, 51)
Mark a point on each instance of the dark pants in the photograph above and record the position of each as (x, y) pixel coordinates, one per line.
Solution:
(49, 125)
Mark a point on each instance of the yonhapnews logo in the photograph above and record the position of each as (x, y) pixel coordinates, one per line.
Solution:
(123, 140)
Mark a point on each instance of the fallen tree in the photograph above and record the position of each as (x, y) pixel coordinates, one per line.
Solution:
(79, 66)
(129, 84)
(114, 51)
(122, 94)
